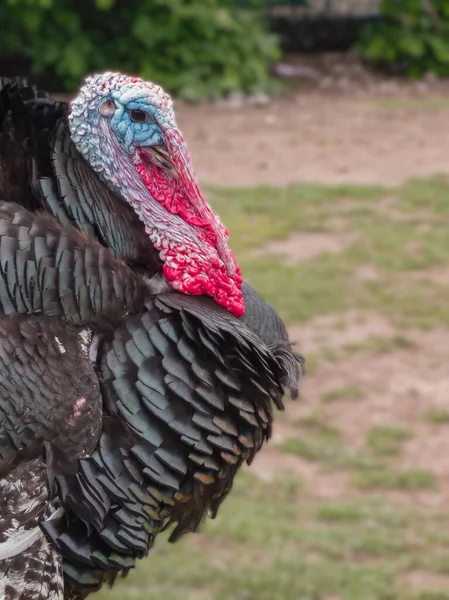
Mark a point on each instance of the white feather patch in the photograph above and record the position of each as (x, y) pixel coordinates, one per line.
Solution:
(85, 337)
(60, 346)
(18, 541)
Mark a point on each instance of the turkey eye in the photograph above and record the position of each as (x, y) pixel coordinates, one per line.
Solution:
(138, 116)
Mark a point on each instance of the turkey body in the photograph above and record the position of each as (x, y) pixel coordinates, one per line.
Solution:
(49, 391)
(104, 445)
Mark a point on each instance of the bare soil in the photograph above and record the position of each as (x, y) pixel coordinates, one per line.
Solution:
(336, 331)
(304, 246)
(321, 136)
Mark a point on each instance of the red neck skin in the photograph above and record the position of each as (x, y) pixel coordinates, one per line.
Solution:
(201, 261)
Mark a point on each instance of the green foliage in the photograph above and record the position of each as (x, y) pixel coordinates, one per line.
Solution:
(414, 37)
(194, 48)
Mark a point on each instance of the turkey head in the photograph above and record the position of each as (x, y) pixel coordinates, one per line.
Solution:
(126, 129)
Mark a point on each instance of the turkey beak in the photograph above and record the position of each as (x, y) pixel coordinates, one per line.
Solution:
(160, 156)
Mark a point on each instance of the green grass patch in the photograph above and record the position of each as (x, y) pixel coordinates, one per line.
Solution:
(271, 541)
(429, 195)
(387, 440)
(399, 238)
(411, 104)
(391, 479)
(380, 344)
(347, 392)
(437, 416)
(300, 292)
(317, 440)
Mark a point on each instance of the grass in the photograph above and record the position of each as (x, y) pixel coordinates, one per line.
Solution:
(411, 104)
(380, 344)
(438, 416)
(385, 478)
(289, 538)
(270, 541)
(317, 440)
(398, 237)
(386, 440)
(347, 392)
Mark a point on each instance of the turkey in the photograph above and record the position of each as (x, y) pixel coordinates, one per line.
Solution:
(116, 277)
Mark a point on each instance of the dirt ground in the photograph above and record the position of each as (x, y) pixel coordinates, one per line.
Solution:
(386, 136)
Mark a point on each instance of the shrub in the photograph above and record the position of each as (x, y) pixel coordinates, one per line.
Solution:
(414, 37)
(194, 48)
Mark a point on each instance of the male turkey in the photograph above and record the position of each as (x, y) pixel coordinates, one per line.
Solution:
(128, 274)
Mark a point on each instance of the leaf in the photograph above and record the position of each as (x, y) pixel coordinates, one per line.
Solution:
(412, 45)
(104, 4)
(440, 48)
(142, 30)
(378, 49)
(33, 19)
(414, 36)
(194, 48)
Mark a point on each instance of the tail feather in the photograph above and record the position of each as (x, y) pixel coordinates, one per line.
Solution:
(292, 366)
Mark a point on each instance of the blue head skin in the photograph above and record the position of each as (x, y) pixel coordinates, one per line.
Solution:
(126, 130)
(137, 113)
(135, 123)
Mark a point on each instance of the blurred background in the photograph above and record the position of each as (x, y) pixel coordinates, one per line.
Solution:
(320, 132)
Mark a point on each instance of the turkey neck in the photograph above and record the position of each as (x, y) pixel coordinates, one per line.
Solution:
(112, 221)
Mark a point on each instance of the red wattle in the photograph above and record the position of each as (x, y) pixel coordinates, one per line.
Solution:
(200, 279)
(214, 272)
(171, 193)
